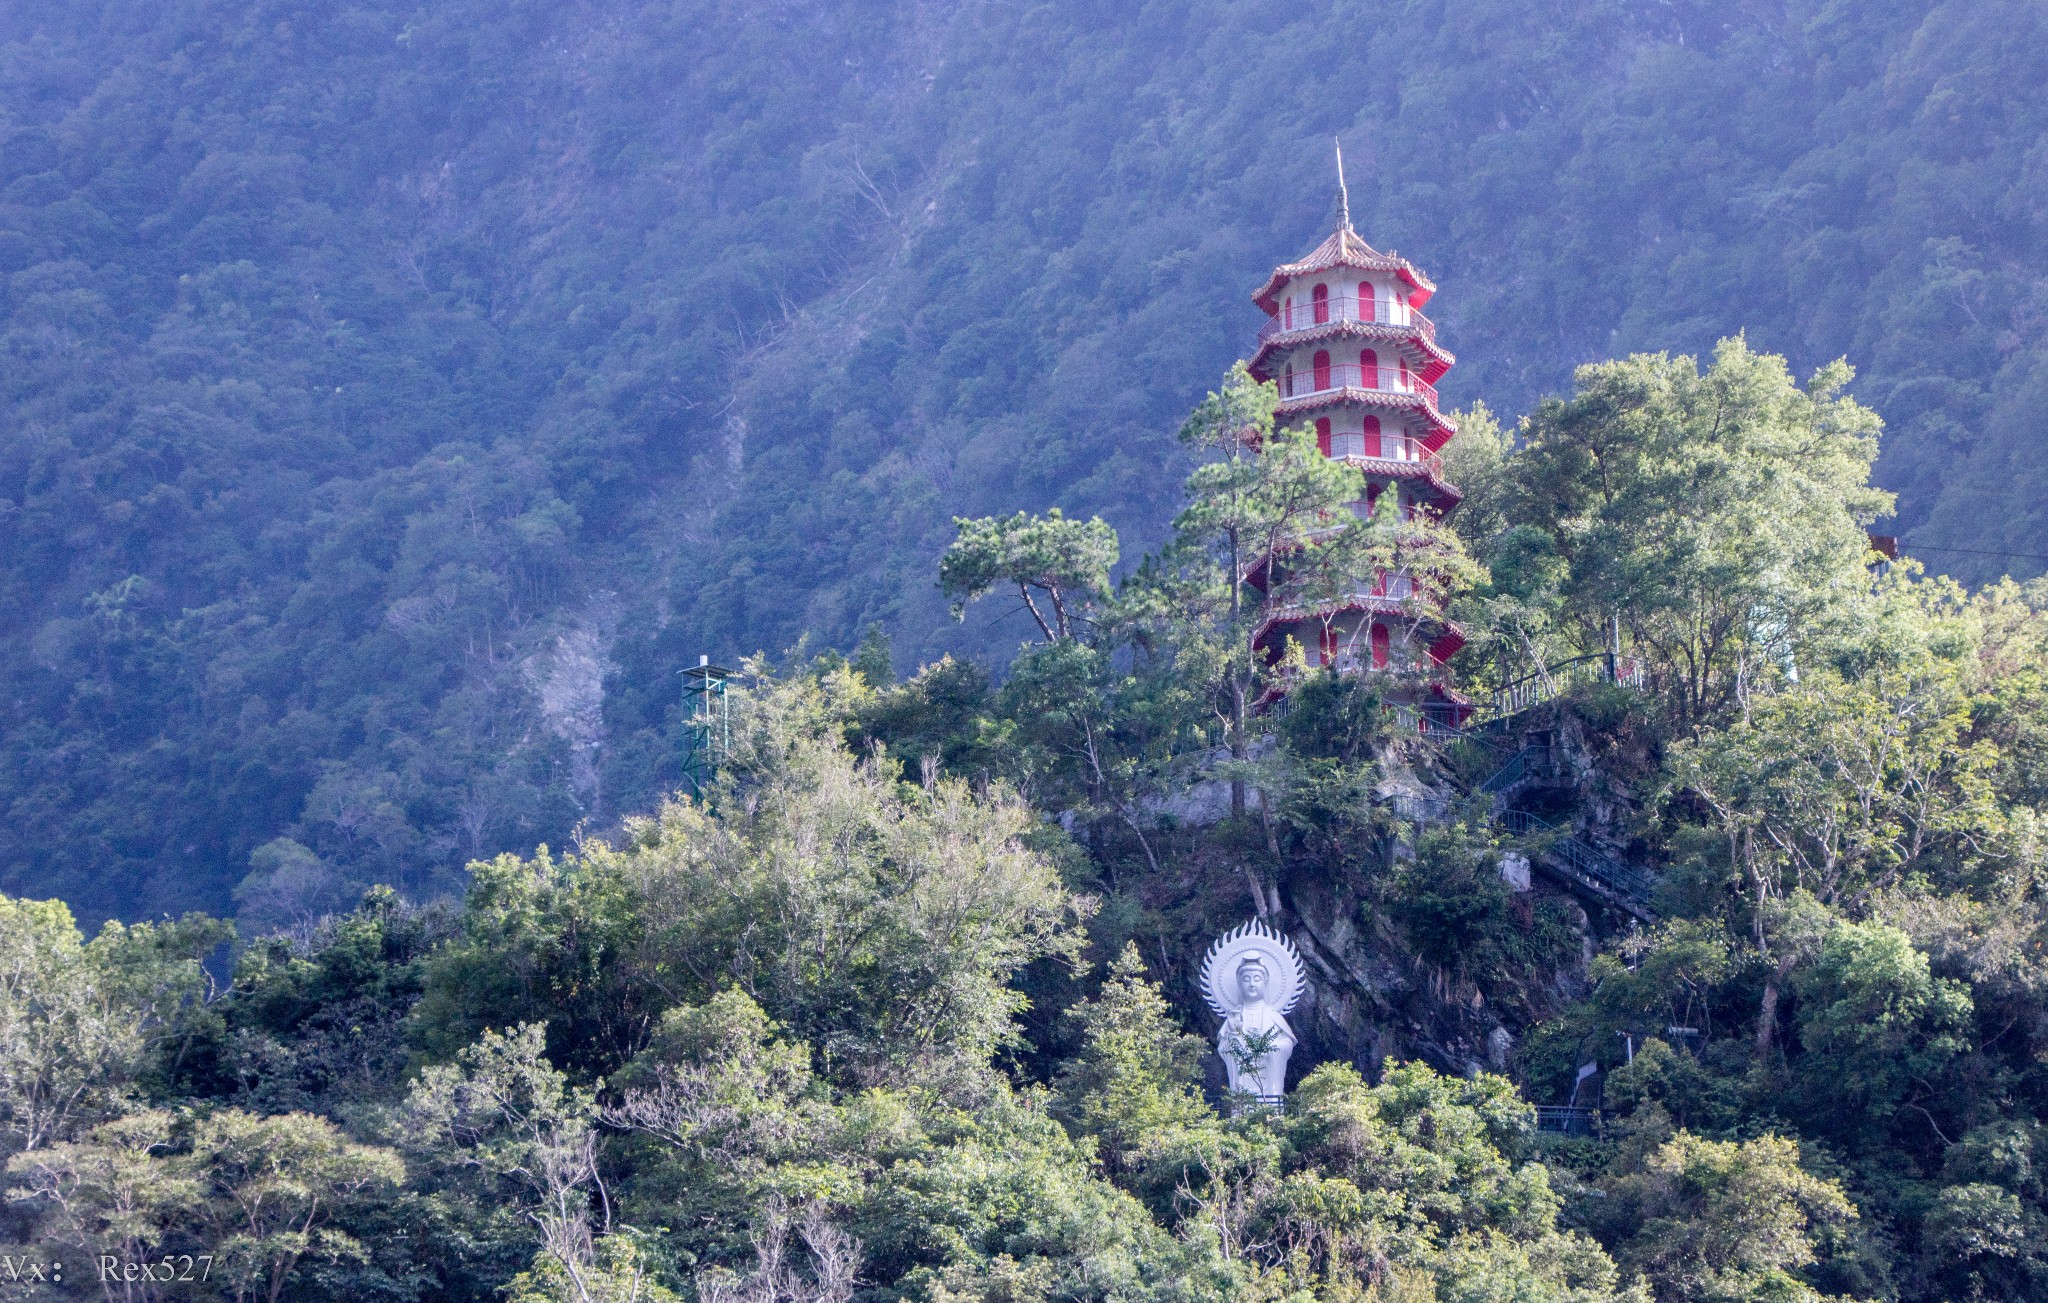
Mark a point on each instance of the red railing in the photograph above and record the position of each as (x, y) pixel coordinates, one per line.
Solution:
(1308, 316)
(1378, 379)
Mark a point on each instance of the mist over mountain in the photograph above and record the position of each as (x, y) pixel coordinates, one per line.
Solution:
(396, 397)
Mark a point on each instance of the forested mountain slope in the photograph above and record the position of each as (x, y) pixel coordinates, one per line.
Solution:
(918, 997)
(394, 397)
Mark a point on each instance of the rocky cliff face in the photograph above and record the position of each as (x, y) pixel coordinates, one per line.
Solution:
(1376, 998)
(1389, 982)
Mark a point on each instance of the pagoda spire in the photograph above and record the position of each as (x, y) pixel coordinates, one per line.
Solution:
(1343, 193)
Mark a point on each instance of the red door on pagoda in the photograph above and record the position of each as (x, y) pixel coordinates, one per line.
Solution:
(1366, 302)
(1322, 302)
(1323, 434)
(1372, 436)
(1322, 361)
(1382, 646)
(1369, 369)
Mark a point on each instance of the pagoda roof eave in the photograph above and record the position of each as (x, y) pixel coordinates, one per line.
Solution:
(1436, 358)
(1447, 495)
(1365, 602)
(1344, 248)
(1434, 688)
(1441, 427)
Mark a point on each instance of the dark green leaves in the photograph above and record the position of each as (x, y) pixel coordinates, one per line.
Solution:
(1064, 563)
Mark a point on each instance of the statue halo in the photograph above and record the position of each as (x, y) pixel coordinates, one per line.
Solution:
(1254, 939)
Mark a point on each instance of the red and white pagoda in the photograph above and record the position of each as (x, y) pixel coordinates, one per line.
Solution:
(1355, 359)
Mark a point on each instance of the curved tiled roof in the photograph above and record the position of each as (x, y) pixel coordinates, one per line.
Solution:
(1344, 248)
(1431, 359)
(1441, 427)
(1449, 635)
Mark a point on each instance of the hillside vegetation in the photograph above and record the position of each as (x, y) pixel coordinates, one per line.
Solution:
(395, 397)
(902, 1004)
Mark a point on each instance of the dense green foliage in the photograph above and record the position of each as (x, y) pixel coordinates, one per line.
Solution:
(902, 1005)
(751, 1052)
(394, 397)
(391, 400)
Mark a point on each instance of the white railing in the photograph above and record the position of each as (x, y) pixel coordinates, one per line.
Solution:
(1373, 379)
(1345, 308)
(1385, 448)
(1400, 587)
(1555, 680)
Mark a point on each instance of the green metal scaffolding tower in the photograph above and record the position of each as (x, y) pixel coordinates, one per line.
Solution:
(707, 723)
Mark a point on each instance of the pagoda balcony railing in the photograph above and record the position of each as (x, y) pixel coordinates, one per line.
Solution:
(1294, 612)
(1372, 379)
(1389, 594)
(1392, 453)
(1400, 587)
(1383, 312)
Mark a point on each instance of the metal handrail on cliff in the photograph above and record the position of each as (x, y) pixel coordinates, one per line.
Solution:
(1511, 772)
(1627, 888)
(1533, 690)
(1570, 1120)
(1552, 681)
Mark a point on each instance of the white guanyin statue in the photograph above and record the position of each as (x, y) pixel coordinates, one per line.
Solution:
(1251, 977)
